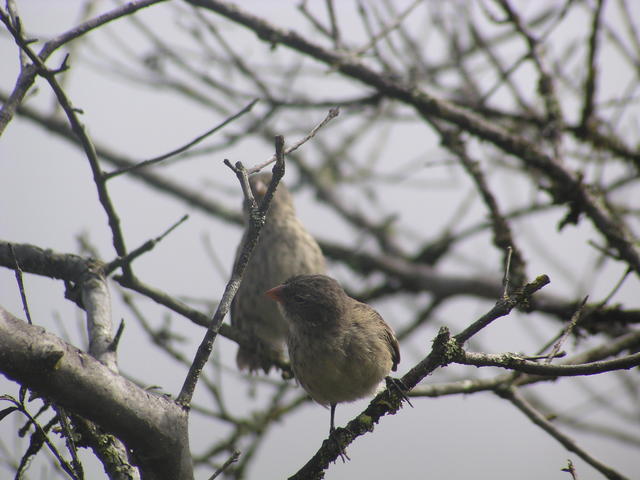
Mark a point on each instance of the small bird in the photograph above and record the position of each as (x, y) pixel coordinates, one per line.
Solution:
(284, 249)
(340, 349)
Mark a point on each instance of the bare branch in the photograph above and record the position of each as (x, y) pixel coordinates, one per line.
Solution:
(536, 417)
(502, 308)
(23, 295)
(28, 74)
(257, 217)
(333, 113)
(79, 130)
(516, 362)
(567, 185)
(184, 148)
(153, 425)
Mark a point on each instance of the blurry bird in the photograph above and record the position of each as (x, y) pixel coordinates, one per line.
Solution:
(284, 249)
(340, 349)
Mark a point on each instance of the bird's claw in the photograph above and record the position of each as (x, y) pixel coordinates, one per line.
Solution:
(397, 385)
(341, 451)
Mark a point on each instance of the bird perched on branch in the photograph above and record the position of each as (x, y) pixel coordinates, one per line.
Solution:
(340, 349)
(284, 249)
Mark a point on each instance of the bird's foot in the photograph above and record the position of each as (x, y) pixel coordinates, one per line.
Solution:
(397, 385)
(333, 436)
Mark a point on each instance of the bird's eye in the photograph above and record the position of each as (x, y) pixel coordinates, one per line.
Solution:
(298, 299)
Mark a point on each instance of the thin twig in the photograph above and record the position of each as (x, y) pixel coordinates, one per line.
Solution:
(567, 442)
(501, 308)
(335, 31)
(116, 339)
(195, 141)
(257, 215)
(79, 130)
(29, 72)
(590, 87)
(614, 290)
(232, 459)
(333, 113)
(145, 247)
(571, 469)
(23, 295)
(386, 30)
(43, 435)
(70, 441)
(507, 271)
(575, 318)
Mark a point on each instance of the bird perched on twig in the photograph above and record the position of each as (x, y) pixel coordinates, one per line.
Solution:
(284, 249)
(340, 349)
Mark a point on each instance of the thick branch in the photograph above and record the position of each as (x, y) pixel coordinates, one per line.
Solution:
(47, 263)
(154, 427)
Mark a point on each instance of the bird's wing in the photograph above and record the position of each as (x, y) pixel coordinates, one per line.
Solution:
(387, 333)
(392, 343)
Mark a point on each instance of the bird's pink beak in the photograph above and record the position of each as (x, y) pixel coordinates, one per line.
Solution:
(275, 293)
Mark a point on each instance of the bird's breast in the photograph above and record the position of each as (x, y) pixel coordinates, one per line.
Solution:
(335, 369)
